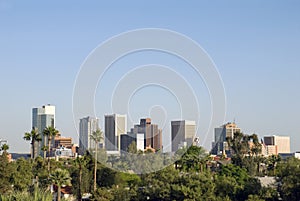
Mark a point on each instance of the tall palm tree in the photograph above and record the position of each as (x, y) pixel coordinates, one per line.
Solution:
(60, 178)
(256, 147)
(96, 136)
(44, 148)
(34, 137)
(50, 132)
(80, 162)
(4, 148)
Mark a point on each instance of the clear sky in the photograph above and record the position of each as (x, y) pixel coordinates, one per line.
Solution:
(255, 46)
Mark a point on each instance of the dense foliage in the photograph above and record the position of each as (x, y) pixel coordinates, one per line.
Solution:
(192, 177)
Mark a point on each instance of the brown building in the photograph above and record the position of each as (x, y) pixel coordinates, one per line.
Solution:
(152, 134)
(63, 142)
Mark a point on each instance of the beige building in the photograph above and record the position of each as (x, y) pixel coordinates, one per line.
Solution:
(277, 144)
(115, 125)
(220, 146)
(183, 134)
(87, 126)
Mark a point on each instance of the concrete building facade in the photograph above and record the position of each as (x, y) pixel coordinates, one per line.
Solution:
(220, 146)
(277, 144)
(41, 118)
(115, 125)
(87, 126)
(183, 134)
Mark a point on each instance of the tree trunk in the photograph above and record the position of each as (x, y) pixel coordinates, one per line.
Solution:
(95, 171)
(58, 192)
(44, 147)
(49, 142)
(32, 147)
(79, 185)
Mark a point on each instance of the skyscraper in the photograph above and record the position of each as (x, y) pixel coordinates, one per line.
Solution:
(41, 118)
(219, 146)
(87, 126)
(183, 133)
(152, 134)
(115, 125)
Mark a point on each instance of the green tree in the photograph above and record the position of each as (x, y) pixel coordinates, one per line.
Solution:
(103, 194)
(40, 173)
(271, 164)
(5, 174)
(194, 186)
(80, 163)
(245, 151)
(96, 136)
(254, 198)
(132, 148)
(59, 178)
(288, 174)
(22, 175)
(256, 147)
(194, 159)
(44, 148)
(33, 137)
(50, 132)
(234, 182)
(239, 145)
(4, 148)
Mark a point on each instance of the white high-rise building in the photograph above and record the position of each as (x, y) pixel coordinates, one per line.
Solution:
(115, 125)
(41, 118)
(183, 133)
(87, 126)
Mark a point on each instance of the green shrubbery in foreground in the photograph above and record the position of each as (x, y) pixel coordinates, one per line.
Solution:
(188, 179)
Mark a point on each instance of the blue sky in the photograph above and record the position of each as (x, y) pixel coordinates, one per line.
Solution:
(255, 46)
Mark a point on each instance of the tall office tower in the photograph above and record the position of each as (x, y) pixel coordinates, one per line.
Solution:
(41, 118)
(277, 144)
(87, 126)
(220, 146)
(183, 134)
(152, 134)
(115, 125)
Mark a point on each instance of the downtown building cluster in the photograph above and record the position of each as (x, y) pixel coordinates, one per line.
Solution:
(146, 136)
(270, 145)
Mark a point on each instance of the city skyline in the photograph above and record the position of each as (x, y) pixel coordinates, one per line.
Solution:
(183, 133)
(255, 47)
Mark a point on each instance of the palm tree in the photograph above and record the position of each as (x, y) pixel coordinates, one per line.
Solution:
(96, 136)
(193, 159)
(256, 147)
(34, 137)
(50, 132)
(4, 148)
(44, 148)
(80, 162)
(60, 178)
(239, 147)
